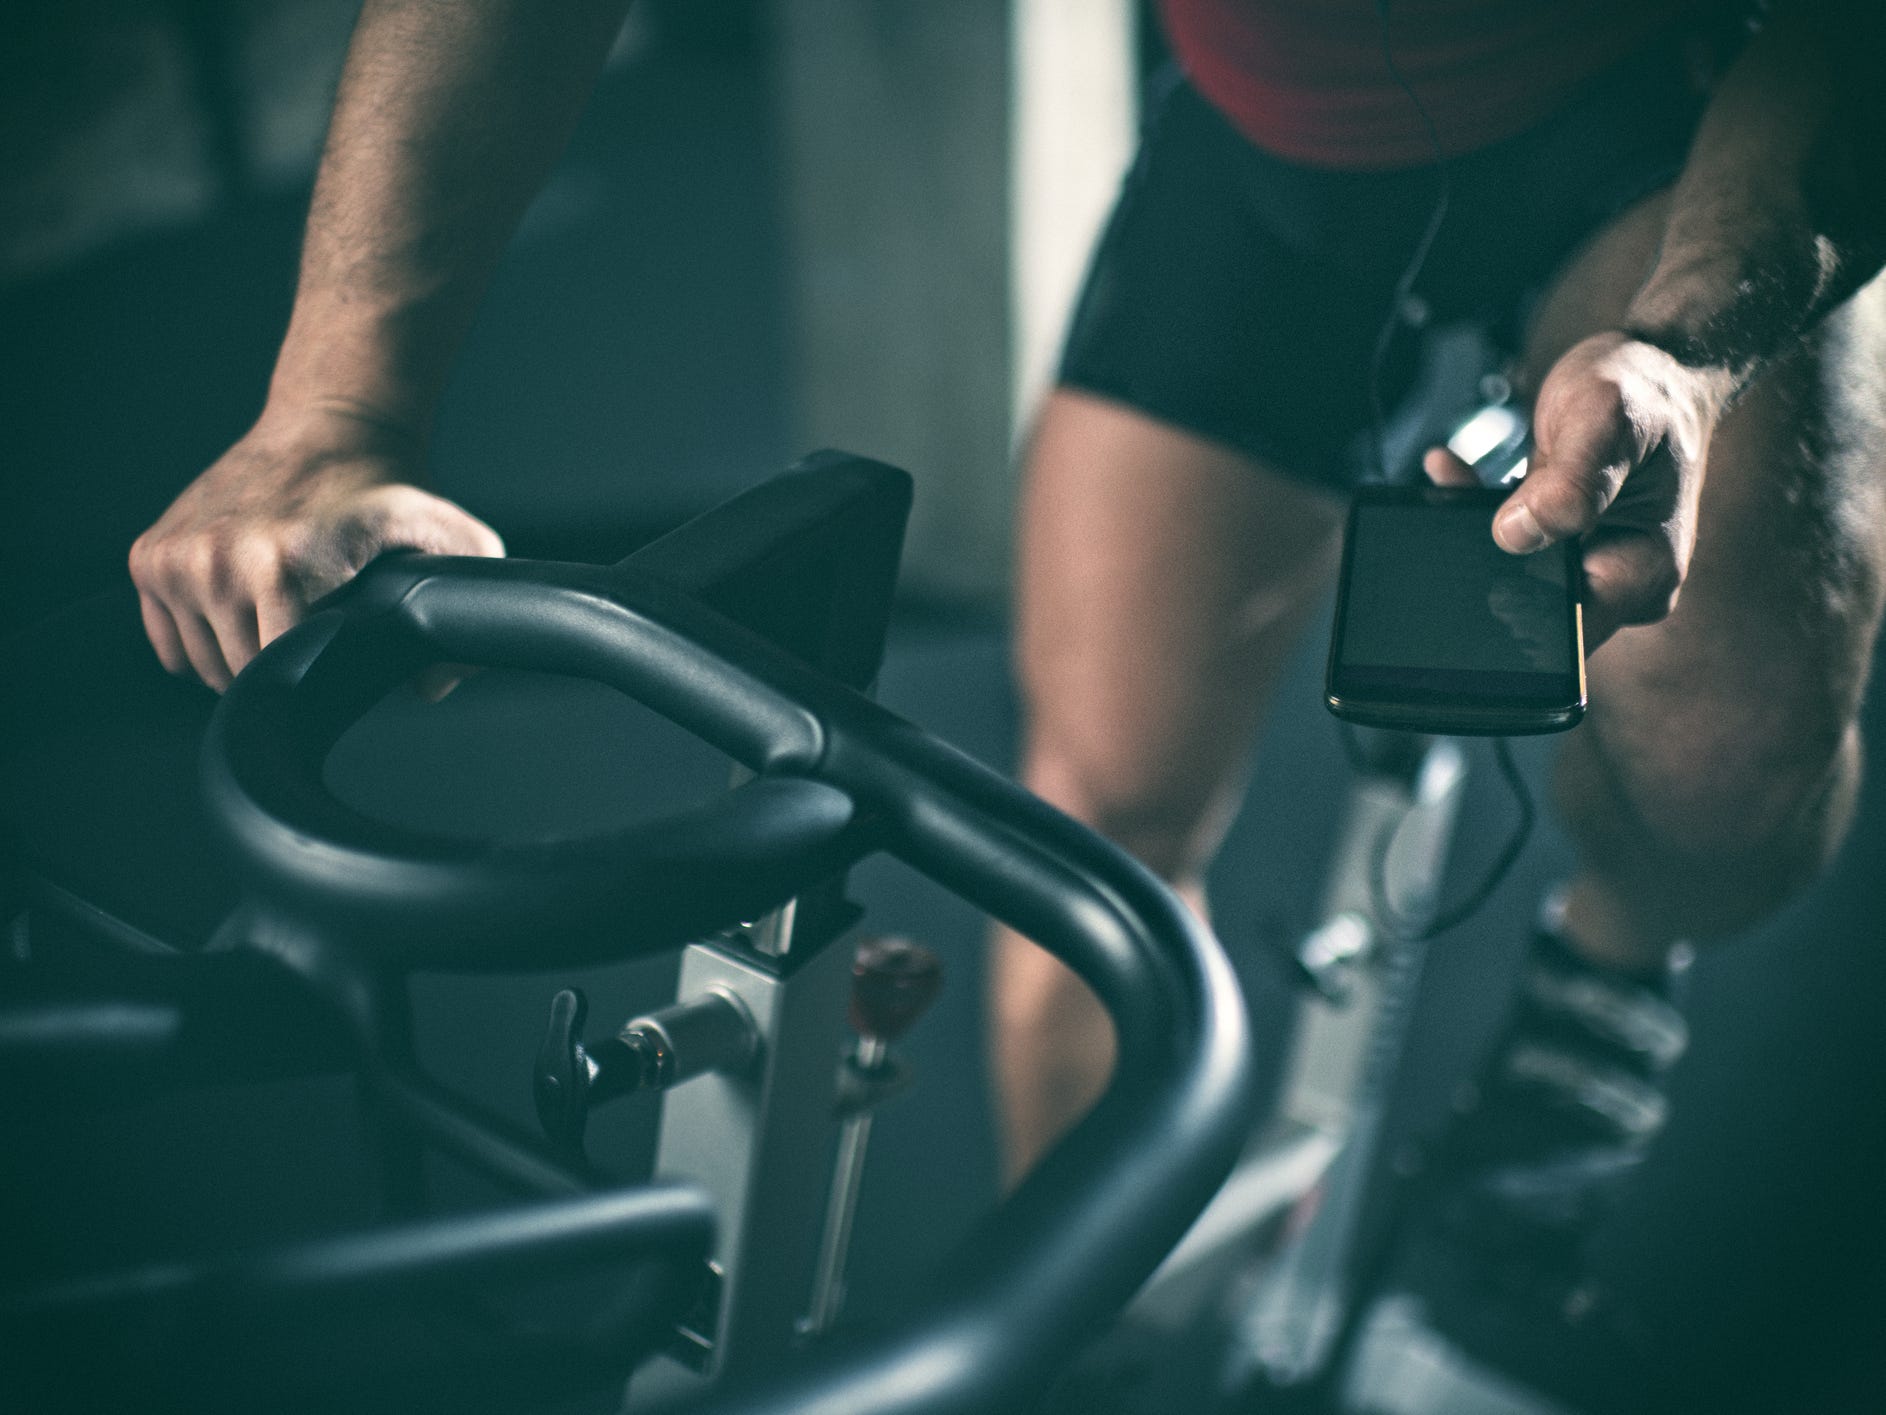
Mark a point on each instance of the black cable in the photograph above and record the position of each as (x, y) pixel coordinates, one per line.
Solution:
(1418, 258)
(1369, 1270)
(1387, 915)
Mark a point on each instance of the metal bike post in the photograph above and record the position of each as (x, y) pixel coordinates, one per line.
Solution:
(761, 1143)
(1349, 1041)
(1350, 1028)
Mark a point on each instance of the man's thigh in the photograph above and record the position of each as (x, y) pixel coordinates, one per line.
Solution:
(1163, 579)
(1753, 681)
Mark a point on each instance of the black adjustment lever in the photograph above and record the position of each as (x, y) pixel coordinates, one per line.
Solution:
(562, 1074)
(711, 1032)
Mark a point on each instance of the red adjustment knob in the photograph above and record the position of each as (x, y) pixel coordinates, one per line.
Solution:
(893, 983)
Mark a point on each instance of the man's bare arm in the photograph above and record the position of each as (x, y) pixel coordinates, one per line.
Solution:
(1776, 218)
(450, 114)
(1773, 222)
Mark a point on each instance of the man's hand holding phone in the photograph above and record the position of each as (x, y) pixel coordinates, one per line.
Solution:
(1620, 430)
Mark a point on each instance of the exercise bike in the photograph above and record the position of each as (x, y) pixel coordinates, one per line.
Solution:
(754, 627)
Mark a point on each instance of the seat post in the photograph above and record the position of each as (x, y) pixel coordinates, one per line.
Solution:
(761, 1142)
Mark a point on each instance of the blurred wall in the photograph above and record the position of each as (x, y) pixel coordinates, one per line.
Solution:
(945, 167)
(1075, 105)
(899, 195)
(123, 117)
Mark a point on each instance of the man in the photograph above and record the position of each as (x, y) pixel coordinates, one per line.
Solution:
(1691, 247)
(1704, 343)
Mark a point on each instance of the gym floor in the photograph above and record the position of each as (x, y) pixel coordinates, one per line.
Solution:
(630, 369)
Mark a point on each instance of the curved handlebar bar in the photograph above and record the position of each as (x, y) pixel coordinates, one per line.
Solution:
(837, 776)
(447, 901)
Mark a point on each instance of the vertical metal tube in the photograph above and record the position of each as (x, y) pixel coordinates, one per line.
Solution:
(828, 1283)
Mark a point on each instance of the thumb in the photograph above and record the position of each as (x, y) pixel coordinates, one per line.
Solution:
(1574, 478)
(406, 517)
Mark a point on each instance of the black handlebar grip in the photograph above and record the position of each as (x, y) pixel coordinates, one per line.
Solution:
(312, 863)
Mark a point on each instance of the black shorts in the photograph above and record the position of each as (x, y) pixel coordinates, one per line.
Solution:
(1240, 296)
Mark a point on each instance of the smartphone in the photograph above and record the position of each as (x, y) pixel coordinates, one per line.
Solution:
(1439, 630)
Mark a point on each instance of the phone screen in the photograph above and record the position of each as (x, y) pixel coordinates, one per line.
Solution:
(1436, 619)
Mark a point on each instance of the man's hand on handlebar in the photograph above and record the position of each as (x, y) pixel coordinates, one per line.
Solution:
(292, 511)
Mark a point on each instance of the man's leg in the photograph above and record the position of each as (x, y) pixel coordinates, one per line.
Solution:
(1713, 776)
(1717, 769)
(1162, 581)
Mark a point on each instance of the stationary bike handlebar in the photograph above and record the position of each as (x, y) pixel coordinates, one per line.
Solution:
(837, 777)
(446, 901)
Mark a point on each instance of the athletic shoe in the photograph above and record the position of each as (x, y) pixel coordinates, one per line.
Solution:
(1544, 1141)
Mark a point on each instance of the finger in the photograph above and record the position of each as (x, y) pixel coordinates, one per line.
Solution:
(161, 630)
(235, 631)
(275, 615)
(438, 680)
(1573, 479)
(405, 516)
(1446, 469)
(199, 646)
(1555, 503)
(1630, 578)
(459, 532)
(485, 541)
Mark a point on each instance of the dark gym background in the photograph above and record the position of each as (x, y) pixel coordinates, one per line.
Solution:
(631, 367)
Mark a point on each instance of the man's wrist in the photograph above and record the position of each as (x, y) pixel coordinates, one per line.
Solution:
(378, 360)
(1701, 354)
(1733, 311)
(1693, 348)
(1687, 377)
(339, 425)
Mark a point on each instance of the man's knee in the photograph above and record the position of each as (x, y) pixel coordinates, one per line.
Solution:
(1053, 1047)
(1738, 791)
(1033, 993)
(1754, 798)
(1166, 815)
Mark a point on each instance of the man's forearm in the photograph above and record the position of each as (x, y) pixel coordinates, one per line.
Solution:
(450, 114)
(1774, 220)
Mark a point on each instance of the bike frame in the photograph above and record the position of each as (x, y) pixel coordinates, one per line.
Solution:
(341, 909)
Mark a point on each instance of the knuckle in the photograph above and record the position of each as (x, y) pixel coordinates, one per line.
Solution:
(1600, 401)
(192, 560)
(290, 550)
(216, 567)
(1598, 481)
(1652, 596)
(259, 565)
(1567, 504)
(222, 563)
(166, 565)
